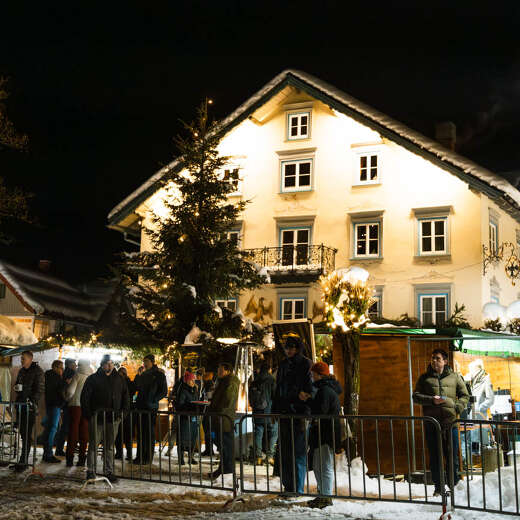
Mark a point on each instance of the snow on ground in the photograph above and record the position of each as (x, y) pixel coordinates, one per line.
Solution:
(59, 495)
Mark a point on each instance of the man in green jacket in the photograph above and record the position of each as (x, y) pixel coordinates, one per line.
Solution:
(224, 403)
(443, 396)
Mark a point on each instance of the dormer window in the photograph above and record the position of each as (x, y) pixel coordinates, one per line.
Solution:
(298, 125)
(231, 174)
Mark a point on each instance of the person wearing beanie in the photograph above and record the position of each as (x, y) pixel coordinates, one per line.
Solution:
(188, 421)
(325, 434)
(151, 387)
(292, 378)
(78, 426)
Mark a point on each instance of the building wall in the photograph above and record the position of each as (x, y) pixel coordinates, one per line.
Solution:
(409, 184)
(11, 305)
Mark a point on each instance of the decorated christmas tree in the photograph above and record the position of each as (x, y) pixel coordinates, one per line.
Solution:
(193, 260)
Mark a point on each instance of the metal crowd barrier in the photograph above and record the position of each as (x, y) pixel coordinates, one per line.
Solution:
(488, 452)
(17, 434)
(150, 463)
(383, 438)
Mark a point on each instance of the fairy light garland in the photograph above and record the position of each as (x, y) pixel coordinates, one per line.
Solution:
(347, 298)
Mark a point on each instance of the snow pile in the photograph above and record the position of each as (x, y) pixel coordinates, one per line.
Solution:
(12, 333)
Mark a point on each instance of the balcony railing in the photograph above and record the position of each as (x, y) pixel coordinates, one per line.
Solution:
(290, 260)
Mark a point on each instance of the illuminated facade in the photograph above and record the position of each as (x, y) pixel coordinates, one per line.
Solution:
(334, 183)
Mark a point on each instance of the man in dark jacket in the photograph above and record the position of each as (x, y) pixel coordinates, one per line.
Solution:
(63, 432)
(125, 432)
(261, 391)
(224, 403)
(443, 395)
(104, 391)
(29, 388)
(325, 434)
(54, 400)
(293, 377)
(151, 387)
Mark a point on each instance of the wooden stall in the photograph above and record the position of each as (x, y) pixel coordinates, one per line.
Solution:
(391, 360)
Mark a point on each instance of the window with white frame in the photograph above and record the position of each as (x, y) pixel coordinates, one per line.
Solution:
(295, 244)
(368, 169)
(234, 236)
(433, 309)
(231, 174)
(292, 308)
(374, 311)
(493, 236)
(366, 239)
(230, 303)
(296, 175)
(298, 125)
(433, 236)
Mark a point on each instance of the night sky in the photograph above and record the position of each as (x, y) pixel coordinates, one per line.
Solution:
(100, 91)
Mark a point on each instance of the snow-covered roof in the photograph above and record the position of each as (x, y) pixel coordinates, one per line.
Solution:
(49, 296)
(12, 333)
(477, 176)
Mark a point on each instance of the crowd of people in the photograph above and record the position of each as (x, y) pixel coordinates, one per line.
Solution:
(108, 408)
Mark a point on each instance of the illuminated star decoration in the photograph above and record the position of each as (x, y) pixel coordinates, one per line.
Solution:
(347, 298)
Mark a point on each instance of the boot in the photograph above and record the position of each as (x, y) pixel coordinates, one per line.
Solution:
(70, 462)
(81, 461)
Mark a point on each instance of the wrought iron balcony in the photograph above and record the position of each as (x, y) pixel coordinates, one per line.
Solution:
(294, 262)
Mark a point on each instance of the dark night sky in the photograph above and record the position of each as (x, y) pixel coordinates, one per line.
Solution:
(100, 91)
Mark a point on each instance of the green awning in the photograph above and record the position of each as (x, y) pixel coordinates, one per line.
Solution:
(483, 343)
(397, 331)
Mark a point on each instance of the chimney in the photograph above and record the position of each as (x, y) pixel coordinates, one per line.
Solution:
(446, 134)
(44, 266)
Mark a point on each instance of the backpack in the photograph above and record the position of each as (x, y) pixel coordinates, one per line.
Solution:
(257, 397)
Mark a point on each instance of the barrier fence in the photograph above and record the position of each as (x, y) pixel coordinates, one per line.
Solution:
(17, 434)
(359, 457)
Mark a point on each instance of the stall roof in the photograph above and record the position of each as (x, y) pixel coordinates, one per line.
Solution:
(397, 331)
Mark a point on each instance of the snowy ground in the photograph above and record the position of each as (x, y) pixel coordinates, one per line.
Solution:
(59, 495)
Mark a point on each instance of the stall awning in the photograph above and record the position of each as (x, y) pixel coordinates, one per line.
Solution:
(14, 351)
(481, 343)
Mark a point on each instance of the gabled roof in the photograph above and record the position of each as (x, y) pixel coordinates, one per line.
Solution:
(482, 179)
(46, 295)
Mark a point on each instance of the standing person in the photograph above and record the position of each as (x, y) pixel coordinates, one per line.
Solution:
(61, 436)
(261, 391)
(78, 427)
(443, 395)
(151, 387)
(103, 390)
(224, 402)
(29, 388)
(325, 434)
(208, 387)
(188, 425)
(293, 377)
(125, 432)
(54, 400)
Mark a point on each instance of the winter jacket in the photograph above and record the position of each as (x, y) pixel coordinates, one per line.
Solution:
(131, 387)
(54, 387)
(293, 377)
(450, 385)
(151, 387)
(33, 384)
(325, 402)
(186, 394)
(265, 382)
(224, 402)
(73, 390)
(104, 392)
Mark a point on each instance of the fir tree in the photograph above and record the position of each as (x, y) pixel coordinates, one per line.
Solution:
(193, 262)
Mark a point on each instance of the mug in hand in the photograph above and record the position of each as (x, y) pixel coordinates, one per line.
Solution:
(18, 387)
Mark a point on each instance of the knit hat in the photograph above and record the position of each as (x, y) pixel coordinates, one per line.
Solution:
(188, 376)
(151, 358)
(320, 368)
(105, 359)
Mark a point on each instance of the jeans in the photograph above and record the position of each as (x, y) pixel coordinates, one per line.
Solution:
(447, 434)
(145, 436)
(63, 432)
(272, 437)
(225, 448)
(125, 435)
(106, 434)
(25, 419)
(78, 430)
(51, 427)
(288, 463)
(323, 466)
